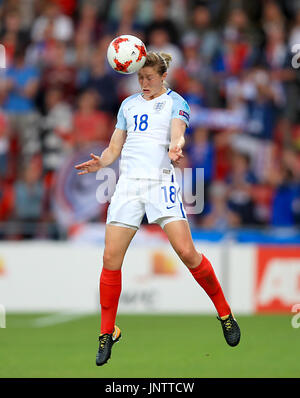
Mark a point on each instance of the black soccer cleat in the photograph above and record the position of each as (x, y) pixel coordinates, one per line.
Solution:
(231, 330)
(106, 341)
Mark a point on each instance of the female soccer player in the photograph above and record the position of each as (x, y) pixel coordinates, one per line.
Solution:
(149, 135)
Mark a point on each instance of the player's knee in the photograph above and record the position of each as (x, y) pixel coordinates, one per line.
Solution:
(111, 260)
(187, 254)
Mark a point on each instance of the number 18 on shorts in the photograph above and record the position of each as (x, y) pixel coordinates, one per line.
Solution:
(135, 197)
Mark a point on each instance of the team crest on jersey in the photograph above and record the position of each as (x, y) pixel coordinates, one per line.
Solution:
(158, 106)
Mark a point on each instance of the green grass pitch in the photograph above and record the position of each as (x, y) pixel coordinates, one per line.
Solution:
(166, 346)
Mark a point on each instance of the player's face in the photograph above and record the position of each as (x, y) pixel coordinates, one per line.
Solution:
(151, 82)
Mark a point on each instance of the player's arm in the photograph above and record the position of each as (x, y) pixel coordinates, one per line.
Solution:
(108, 156)
(178, 127)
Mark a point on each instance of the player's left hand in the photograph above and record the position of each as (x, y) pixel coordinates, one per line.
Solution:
(175, 154)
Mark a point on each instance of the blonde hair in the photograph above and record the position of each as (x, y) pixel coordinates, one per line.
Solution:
(159, 61)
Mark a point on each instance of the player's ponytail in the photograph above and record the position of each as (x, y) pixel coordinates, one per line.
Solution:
(167, 58)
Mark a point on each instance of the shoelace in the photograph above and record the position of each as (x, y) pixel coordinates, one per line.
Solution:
(103, 340)
(228, 324)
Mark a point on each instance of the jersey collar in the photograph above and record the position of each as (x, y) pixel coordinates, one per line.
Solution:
(156, 98)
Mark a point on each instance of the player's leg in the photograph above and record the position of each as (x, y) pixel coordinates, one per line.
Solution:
(178, 231)
(180, 237)
(117, 240)
(124, 217)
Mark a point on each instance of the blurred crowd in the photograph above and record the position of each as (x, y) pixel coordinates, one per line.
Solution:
(58, 95)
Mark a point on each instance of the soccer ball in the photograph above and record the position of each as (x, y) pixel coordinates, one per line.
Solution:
(126, 54)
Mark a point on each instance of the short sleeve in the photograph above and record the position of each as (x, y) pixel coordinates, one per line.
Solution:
(181, 109)
(121, 121)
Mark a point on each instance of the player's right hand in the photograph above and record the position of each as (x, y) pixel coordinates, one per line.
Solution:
(90, 166)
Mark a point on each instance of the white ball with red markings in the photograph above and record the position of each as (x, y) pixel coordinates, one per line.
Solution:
(126, 54)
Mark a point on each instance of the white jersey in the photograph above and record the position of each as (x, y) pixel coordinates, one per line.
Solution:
(148, 126)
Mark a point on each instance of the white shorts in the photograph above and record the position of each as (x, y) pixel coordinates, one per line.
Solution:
(134, 197)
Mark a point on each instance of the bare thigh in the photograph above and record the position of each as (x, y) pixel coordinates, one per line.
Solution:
(180, 237)
(117, 240)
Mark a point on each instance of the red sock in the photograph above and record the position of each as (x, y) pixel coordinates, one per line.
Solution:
(206, 277)
(110, 290)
